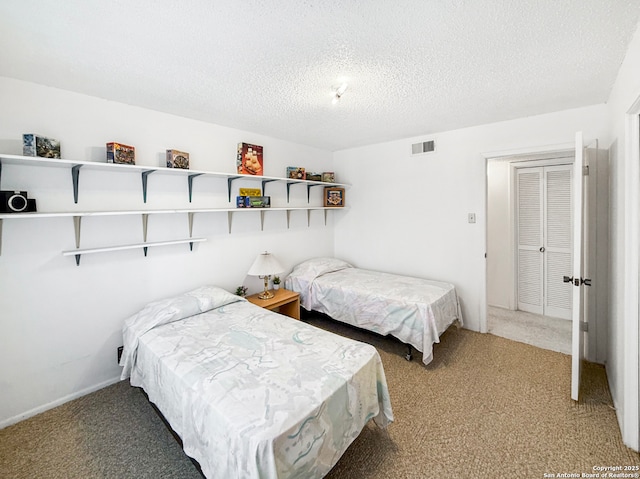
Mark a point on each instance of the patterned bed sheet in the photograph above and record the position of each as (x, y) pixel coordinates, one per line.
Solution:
(251, 393)
(414, 310)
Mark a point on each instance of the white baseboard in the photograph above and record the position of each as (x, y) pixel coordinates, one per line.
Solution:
(57, 402)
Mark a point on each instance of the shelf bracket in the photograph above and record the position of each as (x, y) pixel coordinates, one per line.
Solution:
(0, 174)
(325, 217)
(288, 218)
(264, 182)
(77, 223)
(145, 221)
(309, 192)
(0, 235)
(229, 183)
(261, 220)
(75, 178)
(190, 181)
(229, 217)
(288, 189)
(308, 218)
(191, 213)
(145, 175)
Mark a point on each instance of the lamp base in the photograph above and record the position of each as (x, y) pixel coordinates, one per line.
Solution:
(266, 295)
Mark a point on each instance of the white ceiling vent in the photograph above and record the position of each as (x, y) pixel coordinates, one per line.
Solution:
(423, 147)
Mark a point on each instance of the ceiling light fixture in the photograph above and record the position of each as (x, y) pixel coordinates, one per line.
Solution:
(338, 93)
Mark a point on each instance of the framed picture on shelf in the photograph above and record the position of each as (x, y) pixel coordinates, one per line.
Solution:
(333, 196)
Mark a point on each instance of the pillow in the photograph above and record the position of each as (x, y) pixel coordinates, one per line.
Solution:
(166, 311)
(188, 304)
(315, 267)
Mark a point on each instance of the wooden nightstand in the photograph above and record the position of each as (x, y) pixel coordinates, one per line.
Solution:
(284, 302)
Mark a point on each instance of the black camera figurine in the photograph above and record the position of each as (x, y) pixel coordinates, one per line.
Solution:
(16, 202)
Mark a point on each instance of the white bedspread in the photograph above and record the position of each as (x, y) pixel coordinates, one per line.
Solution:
(416, 311)
(254, 394)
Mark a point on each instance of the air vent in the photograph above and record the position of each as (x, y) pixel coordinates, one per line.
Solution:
(423, 147)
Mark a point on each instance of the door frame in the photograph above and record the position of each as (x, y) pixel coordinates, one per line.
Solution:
(630, 420)
(503, 155)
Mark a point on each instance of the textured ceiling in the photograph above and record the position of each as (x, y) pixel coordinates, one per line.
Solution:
(413, 67)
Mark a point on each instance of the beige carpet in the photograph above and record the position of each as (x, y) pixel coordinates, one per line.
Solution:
(486, 407)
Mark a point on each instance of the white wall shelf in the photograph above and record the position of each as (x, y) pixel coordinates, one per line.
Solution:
(79, 252)
(145, 171)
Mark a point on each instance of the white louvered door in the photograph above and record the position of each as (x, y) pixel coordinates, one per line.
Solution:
(544, 240)
(557, 238)
(530, 234)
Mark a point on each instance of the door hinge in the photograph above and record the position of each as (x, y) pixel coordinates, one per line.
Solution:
(584, 326)
(585, 170)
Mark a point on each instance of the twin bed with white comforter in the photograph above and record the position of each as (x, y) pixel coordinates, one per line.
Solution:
(414, 310)
(251, 393)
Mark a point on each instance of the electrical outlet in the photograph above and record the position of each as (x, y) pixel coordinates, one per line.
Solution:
(472, 217)
(120, 349)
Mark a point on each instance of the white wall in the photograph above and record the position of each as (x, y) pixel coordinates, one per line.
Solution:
(61, 324)
(622, 367)
(409, 214)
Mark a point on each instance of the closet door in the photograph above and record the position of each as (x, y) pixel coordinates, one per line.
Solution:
(544, 231)
(530, 219)
(558, 244)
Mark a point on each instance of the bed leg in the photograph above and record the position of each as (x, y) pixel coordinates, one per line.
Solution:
(409, 355)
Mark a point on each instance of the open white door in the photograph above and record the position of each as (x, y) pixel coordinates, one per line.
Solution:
(577, 346)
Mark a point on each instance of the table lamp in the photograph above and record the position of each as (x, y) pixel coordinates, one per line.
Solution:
(264, 266)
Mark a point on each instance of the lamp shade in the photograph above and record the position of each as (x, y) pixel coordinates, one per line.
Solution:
(265, 265)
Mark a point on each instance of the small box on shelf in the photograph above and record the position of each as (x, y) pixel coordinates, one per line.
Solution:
(296, 173)
(36, 145)
(121, 154)
(253, 202)
(250, 192)
(328, 177)
(177, 159)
